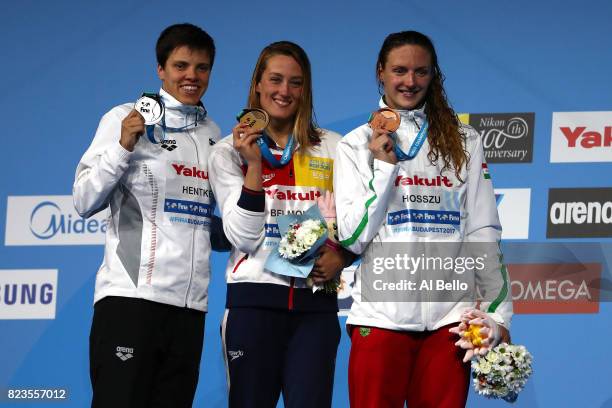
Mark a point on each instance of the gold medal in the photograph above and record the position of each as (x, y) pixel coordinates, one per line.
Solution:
(386, 119)
(256, 118)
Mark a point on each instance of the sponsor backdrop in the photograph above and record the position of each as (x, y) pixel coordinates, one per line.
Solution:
(531, 81)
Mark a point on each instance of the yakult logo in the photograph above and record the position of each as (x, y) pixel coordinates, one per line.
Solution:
(193, 171)
(581, 137)
(588, 139)
(290, 195)
(438, 181)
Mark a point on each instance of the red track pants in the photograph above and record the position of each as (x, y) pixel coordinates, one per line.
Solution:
(388, 368)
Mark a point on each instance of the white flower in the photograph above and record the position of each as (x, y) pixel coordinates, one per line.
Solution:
(300, 238)
(485, 367)
(310, 239)
(503, 372)
(492, 357)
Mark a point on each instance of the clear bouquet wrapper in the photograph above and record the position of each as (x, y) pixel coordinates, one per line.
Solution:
(301, 237)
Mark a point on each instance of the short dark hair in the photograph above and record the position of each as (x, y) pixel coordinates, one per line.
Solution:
(184, 34)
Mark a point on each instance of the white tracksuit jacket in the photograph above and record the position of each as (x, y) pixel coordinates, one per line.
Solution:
(376, 203)
(253, 234)
(157, 240)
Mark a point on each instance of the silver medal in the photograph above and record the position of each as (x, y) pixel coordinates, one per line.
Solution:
(150, 108)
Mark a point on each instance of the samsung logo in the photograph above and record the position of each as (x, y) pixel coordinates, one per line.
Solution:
(28, 293)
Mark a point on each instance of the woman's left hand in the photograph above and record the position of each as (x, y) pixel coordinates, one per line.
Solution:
(328, 264)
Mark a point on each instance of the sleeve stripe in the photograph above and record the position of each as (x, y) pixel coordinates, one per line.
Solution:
(504, 291)
(364, 220)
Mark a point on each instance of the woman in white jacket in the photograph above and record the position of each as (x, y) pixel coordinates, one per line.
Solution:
(278, 334)
(425, 182)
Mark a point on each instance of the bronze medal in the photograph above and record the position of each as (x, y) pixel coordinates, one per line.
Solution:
(386, 119)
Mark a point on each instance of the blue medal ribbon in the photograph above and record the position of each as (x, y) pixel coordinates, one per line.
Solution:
(416, 145)
(151, 128)
(263, 142)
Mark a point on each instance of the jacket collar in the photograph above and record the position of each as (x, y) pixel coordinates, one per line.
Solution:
(408, 115)
(178, 114)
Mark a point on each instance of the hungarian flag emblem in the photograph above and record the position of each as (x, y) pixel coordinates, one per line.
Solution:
(485, 171)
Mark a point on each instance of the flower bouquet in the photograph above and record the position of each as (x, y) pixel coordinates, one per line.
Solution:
(298, 243)
(499, 370)
(301, 237)
(502, 372)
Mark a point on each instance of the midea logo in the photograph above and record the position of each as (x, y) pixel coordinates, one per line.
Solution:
(47, 220)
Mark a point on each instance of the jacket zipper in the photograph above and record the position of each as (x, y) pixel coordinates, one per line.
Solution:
(195, 145)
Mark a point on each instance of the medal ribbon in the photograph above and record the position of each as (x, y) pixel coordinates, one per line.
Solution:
(416, 145)
(151, 128)
(263, 141)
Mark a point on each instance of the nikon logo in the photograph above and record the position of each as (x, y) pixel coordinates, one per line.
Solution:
(579, 213)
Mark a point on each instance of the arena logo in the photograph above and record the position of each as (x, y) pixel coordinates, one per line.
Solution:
(579, 213)
(51, 220)
(581, 137)
(28, 294)
(513, 206)
(506, 137)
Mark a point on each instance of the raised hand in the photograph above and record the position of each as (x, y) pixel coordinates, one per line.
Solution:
(381, 146)
(245, 139)
(132, 127)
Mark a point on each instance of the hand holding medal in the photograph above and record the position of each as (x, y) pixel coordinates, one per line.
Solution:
(382, 122)
(251, 123)
(385, 121)
(259, 119)
(150, 107)
(148, 110)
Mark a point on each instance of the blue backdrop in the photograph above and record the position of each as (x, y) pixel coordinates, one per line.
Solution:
(65, 63)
